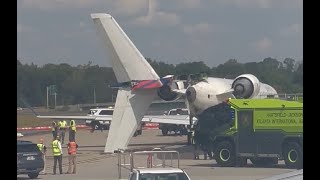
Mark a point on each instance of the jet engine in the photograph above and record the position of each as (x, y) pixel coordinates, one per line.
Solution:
(246, 86)
(168, 92)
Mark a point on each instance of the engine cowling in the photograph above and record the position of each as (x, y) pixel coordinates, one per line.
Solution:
(246, 86)
(166, 92)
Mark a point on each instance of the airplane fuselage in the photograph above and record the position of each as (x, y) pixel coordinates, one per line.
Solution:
(205, 94)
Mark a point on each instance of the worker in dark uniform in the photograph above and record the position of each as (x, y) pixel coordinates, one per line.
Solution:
(54, 130)
(195, 145)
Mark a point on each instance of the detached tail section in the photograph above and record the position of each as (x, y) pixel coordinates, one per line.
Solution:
(129, 66)
(127, 62)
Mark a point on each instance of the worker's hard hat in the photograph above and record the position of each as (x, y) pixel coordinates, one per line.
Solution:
(41, 140)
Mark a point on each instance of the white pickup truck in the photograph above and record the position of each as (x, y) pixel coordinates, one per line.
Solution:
(162, 171)
(105, 124)
(181, 128)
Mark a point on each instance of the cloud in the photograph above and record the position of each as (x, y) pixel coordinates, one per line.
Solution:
(124, 7)
(130, 7)
(23, 28)
(188, 4)
(263, 3)
(292, 30)
(262, 45)
(56, 4)
(198, 28)
(156, 18)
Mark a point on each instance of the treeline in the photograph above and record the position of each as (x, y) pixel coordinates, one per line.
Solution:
(89, 83)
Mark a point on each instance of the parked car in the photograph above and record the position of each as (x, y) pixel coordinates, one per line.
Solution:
(29, 159)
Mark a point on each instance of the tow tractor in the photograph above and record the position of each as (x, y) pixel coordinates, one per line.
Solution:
(151, 165)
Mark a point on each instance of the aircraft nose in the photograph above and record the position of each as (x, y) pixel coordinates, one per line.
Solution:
(191, 94)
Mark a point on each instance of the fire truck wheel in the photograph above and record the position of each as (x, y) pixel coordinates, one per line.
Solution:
(293, 155)
(225, 154)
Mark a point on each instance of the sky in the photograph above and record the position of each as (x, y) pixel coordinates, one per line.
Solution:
(171, 31)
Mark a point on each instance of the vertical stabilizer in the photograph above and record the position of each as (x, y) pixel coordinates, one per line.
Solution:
(127, 62)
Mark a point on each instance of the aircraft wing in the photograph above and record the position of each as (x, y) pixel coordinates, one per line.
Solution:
(170, 119)
(68, 117)
(107, 118)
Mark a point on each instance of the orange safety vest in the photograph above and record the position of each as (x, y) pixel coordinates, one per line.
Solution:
(72, 148)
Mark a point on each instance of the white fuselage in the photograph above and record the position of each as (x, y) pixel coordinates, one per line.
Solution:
(204, 93)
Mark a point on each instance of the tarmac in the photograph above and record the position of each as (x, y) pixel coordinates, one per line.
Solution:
(94, 164)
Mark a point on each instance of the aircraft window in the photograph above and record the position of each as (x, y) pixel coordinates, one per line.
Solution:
(106, 112)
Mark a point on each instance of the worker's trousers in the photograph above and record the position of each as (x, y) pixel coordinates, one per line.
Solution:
(72, 164)
(59, 159)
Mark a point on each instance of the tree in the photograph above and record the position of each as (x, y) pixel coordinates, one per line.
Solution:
(289, 64)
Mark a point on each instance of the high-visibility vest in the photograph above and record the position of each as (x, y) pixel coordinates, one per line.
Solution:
(72, 148)
(40, 146)
(63, 124)
(73, 125)
(55, 148)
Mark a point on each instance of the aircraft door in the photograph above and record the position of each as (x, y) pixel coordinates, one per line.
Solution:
(246, 140)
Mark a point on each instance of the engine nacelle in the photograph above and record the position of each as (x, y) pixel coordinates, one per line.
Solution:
(246, 86)
(166, 92)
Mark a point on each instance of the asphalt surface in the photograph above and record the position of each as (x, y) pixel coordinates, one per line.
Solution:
(93, 164)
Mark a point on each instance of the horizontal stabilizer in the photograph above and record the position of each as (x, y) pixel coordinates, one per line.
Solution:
(68, 117)
(128, 112)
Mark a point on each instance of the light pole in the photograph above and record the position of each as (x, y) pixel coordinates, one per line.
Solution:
(47, 97)
(94, 95)
(55, 100)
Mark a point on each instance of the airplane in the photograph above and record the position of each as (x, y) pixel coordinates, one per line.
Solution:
(138, 84)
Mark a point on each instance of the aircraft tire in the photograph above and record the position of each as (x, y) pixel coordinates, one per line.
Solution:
(225, 154)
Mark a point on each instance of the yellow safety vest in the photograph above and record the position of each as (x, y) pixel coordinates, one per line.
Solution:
(40, 146)
(63, 124)
(73, 125)
(55, 148)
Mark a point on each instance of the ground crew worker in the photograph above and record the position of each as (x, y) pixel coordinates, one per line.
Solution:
(54, 129)
(57, 154)
(43, 149)
(195, 146)
(62, 129)
(72, 131)
(206, 150)
(72, 151)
